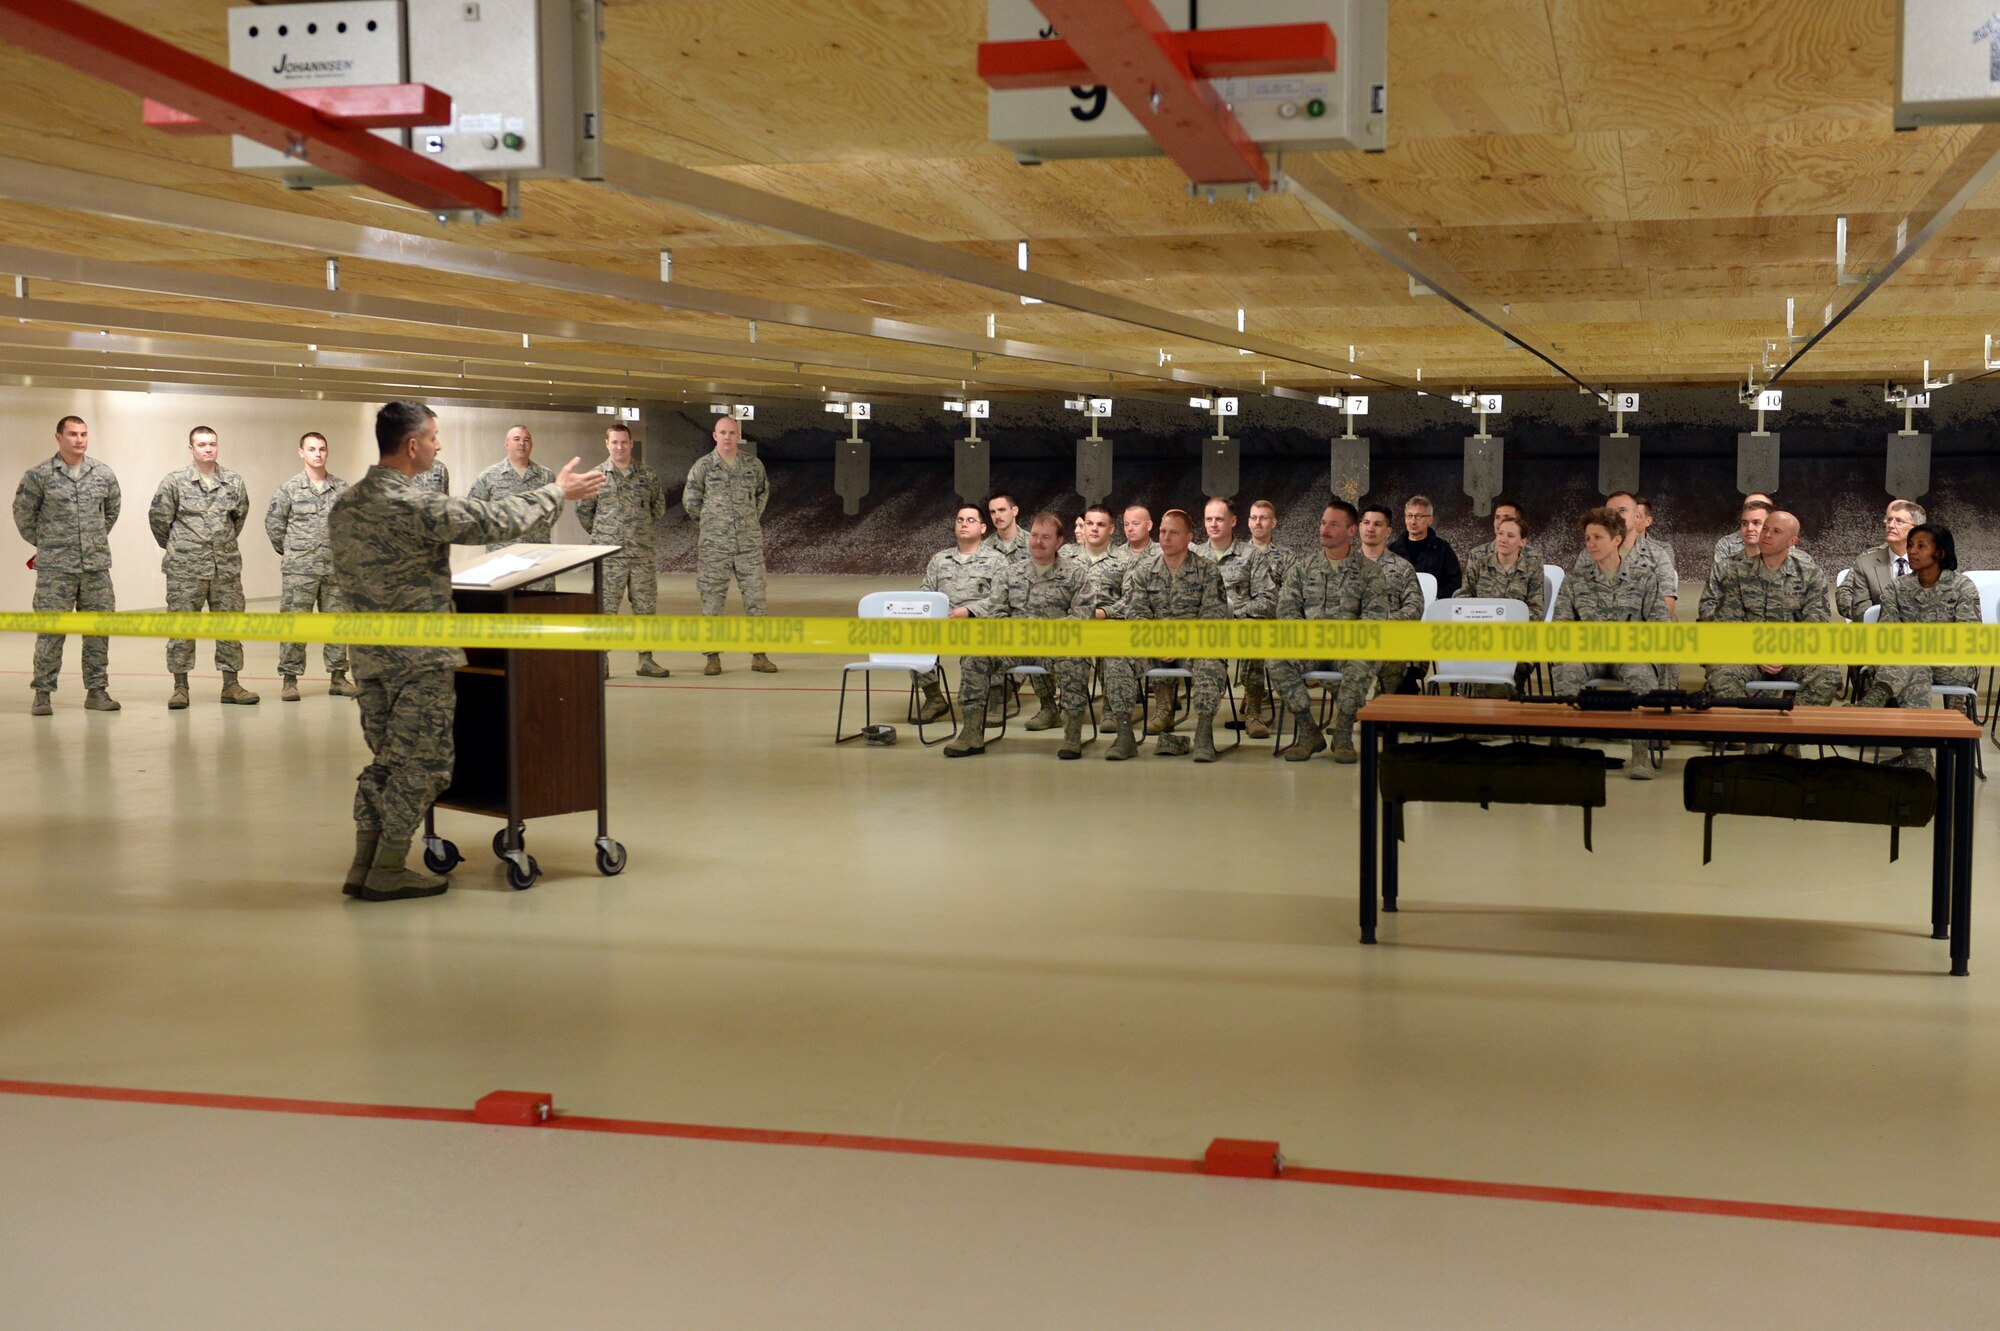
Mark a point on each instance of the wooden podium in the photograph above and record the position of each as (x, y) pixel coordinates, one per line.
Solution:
(529, 732)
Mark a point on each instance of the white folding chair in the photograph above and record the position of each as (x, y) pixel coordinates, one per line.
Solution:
(1429, 582)
(1484, 609)
(1030, 672)
(898, 605)
(1552, 582)
(1988, 583)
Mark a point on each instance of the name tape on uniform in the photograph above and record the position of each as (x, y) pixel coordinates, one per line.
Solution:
(1318, 639)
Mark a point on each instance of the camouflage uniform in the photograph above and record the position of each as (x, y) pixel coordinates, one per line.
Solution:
(1954, 599)
(1154, 591)
(1014, 551)
(971, 581)
(437, 480)
(196, 520)
(1319, 588)
(1391, 591)
(1061, 591)
(727, 500)
(1631, 595)
(1252, 593)
(1107, 574)
(1659, 557)
(627, 512)
(1279, 560)
(502, 481)
(1525, 582)
(391, 540)
(67, 515)
(1746, 592)
(296, 524)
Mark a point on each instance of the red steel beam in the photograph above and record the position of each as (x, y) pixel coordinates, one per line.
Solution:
(362, 106)
(1214, 53)
(1130, 50)
(90, 43)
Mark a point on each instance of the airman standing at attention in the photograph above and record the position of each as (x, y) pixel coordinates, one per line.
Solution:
(65, 507)
(1176, 583)
(1039, 587)
(628, 514)
(726, 494)
(518, 473)
(296, 523)
(196, 516)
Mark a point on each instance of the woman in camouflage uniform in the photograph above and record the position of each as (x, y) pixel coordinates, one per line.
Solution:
(1932, 592)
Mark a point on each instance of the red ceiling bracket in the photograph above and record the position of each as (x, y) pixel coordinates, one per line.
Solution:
(90, 43)
(1160, 75)
(359, 106)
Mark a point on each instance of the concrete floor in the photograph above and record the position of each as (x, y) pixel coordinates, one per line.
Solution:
(1007, 949)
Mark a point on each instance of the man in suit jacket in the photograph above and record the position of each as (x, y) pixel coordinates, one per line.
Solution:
(1870, 575)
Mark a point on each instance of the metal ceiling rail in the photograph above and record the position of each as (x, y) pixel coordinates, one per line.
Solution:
(118, 274)
(1362, 219)
(88, 380)
(1976, 165)
(432, 357)
(106, 196)
(632, 173)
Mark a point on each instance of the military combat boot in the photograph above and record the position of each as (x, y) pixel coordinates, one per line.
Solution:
(971, 736)
(1308, 742)
(1048, 718)
(1161, 721)
(1072, 745)
(1255, 703)
(100, 700)
(340, 686)
(288, 688)
(713, 665)
(179, 697)
(936, 705)
(1126, 745)
(650, 668)
(1639, 766)
(389, 880)
(41, 705)
(763, 664)
(364, 860)
(1343, 740)
(236, 693)
(1204, 739)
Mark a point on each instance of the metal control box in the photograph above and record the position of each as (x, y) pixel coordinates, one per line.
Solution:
(344, 43)
(1346, 108)
(1947, 63)
(509, 66)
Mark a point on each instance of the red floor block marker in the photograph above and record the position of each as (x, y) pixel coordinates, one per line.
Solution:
(521, 1109)
(1233, 1158)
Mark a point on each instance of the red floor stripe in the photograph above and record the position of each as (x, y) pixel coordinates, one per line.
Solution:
(1149, 1164)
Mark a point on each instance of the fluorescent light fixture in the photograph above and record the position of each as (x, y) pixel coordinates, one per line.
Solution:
(666, 265)
(1021, 262)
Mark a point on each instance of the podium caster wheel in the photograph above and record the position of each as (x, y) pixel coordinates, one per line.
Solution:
(500, 841)
(610, 858)
(519, 879)
(441, 856)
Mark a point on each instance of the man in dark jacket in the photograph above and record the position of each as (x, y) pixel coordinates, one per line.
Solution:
(1425, 549)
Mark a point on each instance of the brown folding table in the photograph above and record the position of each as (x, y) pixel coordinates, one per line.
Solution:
(1953, 735)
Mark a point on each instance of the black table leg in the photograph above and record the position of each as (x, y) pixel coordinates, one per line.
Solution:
(1392, 818)
(1942, 844)
(1368, 831)
(1961, 861)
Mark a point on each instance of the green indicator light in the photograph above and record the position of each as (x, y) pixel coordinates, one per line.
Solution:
(512, 142)
(1315, 108)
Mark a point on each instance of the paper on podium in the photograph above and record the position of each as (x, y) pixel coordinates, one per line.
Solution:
(520, 564)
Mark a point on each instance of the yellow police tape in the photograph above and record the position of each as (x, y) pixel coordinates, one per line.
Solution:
(1791, 644)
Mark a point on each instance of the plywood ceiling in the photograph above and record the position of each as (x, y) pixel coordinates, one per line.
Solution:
(1641, 184)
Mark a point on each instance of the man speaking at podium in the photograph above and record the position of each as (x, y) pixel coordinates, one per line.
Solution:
(392, 539)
